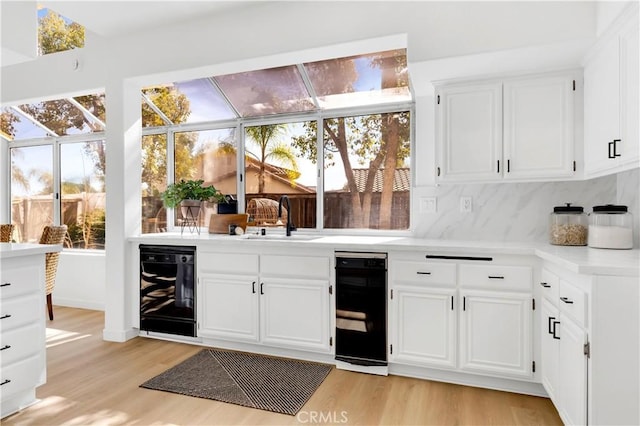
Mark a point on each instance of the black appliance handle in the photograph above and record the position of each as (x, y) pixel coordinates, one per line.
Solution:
(253, 287)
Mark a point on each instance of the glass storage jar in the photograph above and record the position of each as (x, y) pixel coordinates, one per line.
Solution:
(568, 226)
(611, 227)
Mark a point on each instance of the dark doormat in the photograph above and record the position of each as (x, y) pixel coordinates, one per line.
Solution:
(268, 383)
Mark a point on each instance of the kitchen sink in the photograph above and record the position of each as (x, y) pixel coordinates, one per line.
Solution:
(280, 237)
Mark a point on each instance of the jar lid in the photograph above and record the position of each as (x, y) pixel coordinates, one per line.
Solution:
(568, 209)
(610, 209)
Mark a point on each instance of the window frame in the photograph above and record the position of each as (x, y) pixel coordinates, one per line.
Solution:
(55, 143)
(241, 123)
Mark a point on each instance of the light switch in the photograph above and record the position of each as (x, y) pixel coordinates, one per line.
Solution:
(428, 205)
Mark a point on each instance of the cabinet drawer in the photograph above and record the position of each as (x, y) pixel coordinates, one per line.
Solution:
(572, 301)
(21, 343)
(18, 279)
(496, 277)
(440, 274)
(550, 286)
(232, 263)
(22, 375)
(295, 266)
(19, 311)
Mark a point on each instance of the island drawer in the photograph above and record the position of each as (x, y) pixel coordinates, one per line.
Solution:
(572, 301)
(440, 274)
(550, 286)
(496, 277)
(19, 311)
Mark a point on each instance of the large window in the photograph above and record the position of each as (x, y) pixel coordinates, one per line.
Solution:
(57, 155)
(334, 136)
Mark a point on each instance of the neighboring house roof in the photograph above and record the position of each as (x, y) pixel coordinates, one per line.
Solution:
(401, 180)
(278, 173)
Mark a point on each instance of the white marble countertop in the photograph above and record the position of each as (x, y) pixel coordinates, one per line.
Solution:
(8, 250)
(582, 260)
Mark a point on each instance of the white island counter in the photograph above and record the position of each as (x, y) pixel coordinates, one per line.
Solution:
(22, 323)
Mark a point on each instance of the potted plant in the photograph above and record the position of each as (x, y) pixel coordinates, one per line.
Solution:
(189, 195)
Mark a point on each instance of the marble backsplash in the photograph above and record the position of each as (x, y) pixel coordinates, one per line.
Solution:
(518, 211)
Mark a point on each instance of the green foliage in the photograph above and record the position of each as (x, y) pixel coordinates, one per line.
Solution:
(190, 190)
(55, 35)
(270, 148)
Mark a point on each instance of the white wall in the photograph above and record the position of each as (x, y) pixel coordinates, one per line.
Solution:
(496, 36)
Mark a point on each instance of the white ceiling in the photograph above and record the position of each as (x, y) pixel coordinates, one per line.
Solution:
(110, 18)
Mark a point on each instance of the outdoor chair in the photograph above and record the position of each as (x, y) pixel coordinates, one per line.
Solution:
(6, 229)
(52, 235)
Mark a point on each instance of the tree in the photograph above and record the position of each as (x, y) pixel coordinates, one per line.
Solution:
(378, 140)
(270, 148)
(56, 35)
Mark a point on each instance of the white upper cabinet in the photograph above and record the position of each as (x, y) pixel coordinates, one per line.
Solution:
(512, 129)
(538, 127)
(611, 101)
(469, 132)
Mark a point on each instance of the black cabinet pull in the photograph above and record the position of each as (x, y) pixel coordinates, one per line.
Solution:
(423, 273)
(5, 316)
(508, 166)
(261, 286)
(615, 148)
(452, 303)
(496, 277)
(498, 166)
(464, 303)
(5, 347)
(554, 330)
(253, 287)
(5, 284)
(5, 382)
(551, 328)
(566, 300)
(545, 285)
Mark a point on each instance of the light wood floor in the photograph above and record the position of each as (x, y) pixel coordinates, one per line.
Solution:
(91, 381)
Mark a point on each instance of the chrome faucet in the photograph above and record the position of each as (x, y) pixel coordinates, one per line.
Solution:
(289, 226)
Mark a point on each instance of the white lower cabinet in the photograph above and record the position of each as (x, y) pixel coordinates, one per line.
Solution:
(495, 333)
(572, 373)
(295, 313)
(461, 314)
(590, 333)
(229, 306)
(280, 300)
(425, 329)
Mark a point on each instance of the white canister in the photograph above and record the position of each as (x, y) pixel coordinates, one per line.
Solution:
(611, 227)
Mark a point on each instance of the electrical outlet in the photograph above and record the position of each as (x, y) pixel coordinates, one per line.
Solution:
(466, 204)
(428, 205)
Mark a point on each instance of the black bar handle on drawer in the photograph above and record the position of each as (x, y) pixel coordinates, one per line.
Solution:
(545, 285)
(566, 300)
(5, 347)
(551, 327)
(261, 285)
(5, 284)
(5, 316)
(554, 330)
(5, 382)
(496, 277)
(423, 273)
(253, 287)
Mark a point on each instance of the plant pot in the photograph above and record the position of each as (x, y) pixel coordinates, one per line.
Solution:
(190, 209)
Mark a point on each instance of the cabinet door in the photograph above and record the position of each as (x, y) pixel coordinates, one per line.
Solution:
(629, 146)
(425, 326)
(538, 127)
(469, 132)
(572, 373)
(495, 333)
(295, 313)
(550, 348)
(602, 107)
(228, 307)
